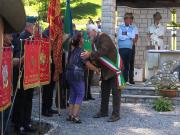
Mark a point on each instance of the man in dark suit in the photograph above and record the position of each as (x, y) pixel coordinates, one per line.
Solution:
(105, 47)
(23, 100)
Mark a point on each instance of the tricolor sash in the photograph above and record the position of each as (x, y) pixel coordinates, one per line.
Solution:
(114, 67)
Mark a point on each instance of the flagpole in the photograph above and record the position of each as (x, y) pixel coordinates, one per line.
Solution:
(40, 101)
(87, 83)
(58, 89)
(1, 50)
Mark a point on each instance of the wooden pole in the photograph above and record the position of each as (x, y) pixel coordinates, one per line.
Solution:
(1, 49)
(1, 39)
(87, 84)
(40, 102)
(59, 100)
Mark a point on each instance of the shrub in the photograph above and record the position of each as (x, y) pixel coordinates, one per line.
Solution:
(163, 105)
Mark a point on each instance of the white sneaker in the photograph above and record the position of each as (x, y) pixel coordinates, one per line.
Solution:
(127, 83)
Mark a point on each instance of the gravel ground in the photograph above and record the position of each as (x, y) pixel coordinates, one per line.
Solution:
(136, 119)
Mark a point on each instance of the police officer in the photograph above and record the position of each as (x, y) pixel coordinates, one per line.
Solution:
(132, 59)
(23, 100)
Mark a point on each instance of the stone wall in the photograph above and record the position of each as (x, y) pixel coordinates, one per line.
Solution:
(144, 18)
(109, 17)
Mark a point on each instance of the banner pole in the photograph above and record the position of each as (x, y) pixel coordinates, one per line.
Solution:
(58, 89)
(40, 101)
(87, 83)
(2, 122)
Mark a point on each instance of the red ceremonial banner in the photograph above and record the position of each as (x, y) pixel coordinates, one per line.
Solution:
(45, 55)
(56, 35)
(6, 79)
(31, 64)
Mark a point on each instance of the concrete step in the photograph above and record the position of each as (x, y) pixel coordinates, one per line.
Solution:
(140, 90)
(144, 99)
(134, 90)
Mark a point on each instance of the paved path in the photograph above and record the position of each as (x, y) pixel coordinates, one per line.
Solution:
(136, 119)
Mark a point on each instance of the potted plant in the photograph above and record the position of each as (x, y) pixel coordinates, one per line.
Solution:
(167, 89)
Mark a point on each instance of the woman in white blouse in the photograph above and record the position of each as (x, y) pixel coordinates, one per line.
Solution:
(156, 32)
(155, 37)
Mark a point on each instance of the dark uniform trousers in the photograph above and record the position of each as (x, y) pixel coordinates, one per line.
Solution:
(131, 68)
(106, 87)
(48, 90)
(88, 81)
(22, 106)
(126, 55)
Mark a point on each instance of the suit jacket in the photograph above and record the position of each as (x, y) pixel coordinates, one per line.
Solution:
(105, 47)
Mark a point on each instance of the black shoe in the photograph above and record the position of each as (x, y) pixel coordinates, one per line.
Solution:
(113, 118)
(53, 111)
(47, 114)
(77, 120)
(100, 115)
(70, 118)
(20, 131)
(30, 129)
(131, 82)
(91, 98)
(85, 99)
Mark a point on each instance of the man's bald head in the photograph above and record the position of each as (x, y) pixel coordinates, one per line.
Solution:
(92, 31)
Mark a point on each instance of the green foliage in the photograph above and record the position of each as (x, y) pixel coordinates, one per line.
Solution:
(163, 105)
(167, 87)
(81, 9)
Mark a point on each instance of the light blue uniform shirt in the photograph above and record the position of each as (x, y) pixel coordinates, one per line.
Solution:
(126, 41)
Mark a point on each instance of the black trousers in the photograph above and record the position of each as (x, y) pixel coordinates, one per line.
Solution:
(106, 87)
(131, 68)
(48, 90)
(88, 81)
(63, 93)
(22, 105)
(126, 55)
